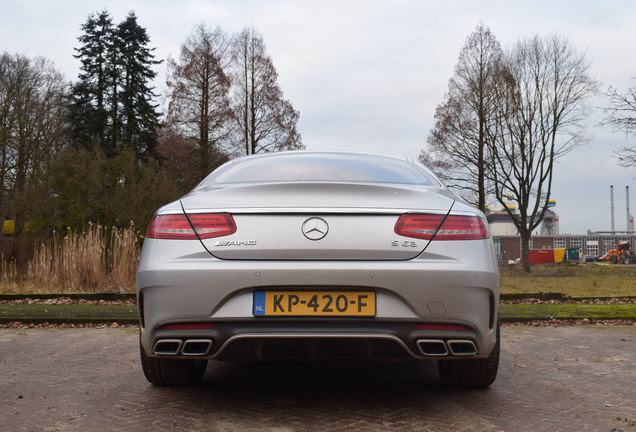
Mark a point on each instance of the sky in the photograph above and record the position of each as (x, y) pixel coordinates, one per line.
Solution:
(367, 75)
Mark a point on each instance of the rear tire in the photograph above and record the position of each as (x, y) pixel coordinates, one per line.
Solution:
(172, 372)
(470, 373)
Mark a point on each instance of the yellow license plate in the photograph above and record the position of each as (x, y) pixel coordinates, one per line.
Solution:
(314, 303)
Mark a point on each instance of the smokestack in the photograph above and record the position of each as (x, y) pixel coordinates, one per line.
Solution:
(627, 202)
(612, 205)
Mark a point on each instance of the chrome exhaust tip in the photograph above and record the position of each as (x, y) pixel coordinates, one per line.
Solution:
(461, 347)
(196, 347)
(432, 347)
(167, 347)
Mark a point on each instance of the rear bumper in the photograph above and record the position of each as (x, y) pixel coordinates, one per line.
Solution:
(408, 293)
(302, 340)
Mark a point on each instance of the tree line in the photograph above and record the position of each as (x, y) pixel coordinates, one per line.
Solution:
(102, 149)
(509, 114)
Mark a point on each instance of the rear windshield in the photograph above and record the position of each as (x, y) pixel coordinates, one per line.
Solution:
(321, 168)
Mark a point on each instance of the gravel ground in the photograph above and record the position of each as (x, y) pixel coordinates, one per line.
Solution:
(565, 378)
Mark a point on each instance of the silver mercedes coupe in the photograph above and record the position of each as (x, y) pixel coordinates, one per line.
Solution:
(319, 256)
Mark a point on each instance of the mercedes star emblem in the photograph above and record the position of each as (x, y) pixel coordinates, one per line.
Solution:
(315, 228)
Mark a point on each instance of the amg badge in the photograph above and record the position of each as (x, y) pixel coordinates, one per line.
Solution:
(235, 243)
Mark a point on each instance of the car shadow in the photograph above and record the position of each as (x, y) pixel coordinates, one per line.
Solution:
(317, 396)
(391, 383)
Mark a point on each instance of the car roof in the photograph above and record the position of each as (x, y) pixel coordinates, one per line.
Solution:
(334, 153)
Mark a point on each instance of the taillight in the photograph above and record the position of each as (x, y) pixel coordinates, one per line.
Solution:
(174, 227)
(209, 225)
(454, 227)
(421, 226)
(463, 228)
(177, 226)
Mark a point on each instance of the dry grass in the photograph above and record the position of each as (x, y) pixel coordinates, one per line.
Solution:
(96, 259)
(8, 273)
(123, 256)
(100, 259)
(573, 280)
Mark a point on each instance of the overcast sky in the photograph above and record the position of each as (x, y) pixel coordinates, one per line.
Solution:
(367, 75)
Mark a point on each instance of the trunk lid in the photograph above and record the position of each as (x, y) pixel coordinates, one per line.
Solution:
(316, 221)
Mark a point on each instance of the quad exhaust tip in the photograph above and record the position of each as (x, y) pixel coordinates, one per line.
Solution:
(189, 347)
(461, 347)
(167, 346)
(196, 347)
(432, 347)
(440, 348)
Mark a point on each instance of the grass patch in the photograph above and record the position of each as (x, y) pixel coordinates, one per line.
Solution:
(128, 313)
(567, 311)
(67, 312)
(583, 280)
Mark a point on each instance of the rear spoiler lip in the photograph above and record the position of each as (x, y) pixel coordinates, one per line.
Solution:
(318, 210)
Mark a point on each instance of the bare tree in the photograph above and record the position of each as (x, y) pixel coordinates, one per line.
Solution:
(541, 108)
(621, 114)
(32, 126)
(265, 120)
(458, 149)
(199, 106)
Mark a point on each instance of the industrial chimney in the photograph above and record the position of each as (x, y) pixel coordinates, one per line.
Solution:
(630, 219)
(612, 206)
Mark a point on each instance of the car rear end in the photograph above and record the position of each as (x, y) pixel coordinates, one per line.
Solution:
(317, 270)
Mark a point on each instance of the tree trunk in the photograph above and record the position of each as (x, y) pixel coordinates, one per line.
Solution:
(20, 180)
(252, 97)
(115, 125)
(481, 172)
(100, 104)
(481, 169)
(130, 114)
(246, 102)
(3, 170)
(205, 123)
(525, 251)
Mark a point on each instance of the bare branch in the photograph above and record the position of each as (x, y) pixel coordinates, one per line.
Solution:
(541, 104)
(457, 147)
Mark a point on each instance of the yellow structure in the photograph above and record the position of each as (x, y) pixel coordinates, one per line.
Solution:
(8, 227)
(559, 255)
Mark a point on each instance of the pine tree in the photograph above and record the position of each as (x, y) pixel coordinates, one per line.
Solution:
(114, 73)
(88, 111)
(111, 103)
(139, 116)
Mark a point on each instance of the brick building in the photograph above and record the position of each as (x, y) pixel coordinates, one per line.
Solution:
(508, 247)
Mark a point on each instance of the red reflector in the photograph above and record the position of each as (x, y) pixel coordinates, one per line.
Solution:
(457, 327)
(454, 227)
(188, 326)
(177, 226)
